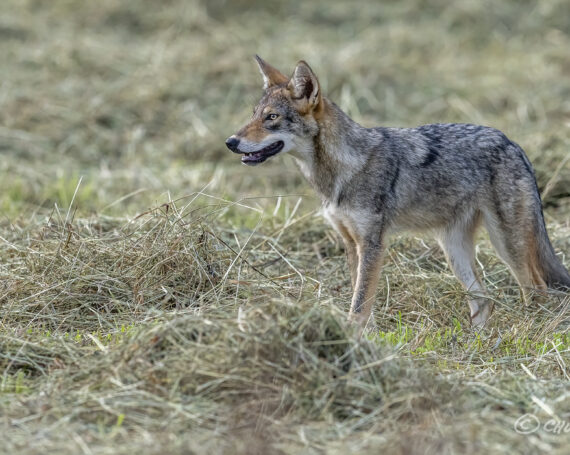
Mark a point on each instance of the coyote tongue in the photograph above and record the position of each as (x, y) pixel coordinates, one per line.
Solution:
(261, 155)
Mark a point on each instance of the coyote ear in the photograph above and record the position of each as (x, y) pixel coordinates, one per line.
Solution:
(304, 85)
(271, 76)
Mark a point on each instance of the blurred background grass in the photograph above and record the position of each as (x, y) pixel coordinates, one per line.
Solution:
(139, 96)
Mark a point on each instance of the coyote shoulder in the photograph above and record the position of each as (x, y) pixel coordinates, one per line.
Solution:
(446, 179)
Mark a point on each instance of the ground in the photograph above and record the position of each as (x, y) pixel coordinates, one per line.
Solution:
(157, 296)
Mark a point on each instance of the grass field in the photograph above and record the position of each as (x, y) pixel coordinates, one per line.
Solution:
(156, 296)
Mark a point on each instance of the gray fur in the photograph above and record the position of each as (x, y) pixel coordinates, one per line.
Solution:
(441, 178)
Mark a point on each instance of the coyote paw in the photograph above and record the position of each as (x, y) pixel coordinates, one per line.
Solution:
(358, 321)
(480, 312)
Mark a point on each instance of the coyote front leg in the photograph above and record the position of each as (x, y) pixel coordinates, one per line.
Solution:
(351, 252)
(369, 252)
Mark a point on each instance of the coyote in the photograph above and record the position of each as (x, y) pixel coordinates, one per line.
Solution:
(442, 178)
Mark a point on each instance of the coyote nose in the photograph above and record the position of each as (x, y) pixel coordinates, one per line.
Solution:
(232, 143)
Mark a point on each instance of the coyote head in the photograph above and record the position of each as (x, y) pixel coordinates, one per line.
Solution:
(284, 120)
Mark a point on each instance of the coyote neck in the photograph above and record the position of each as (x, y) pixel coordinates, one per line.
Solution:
(338, 152)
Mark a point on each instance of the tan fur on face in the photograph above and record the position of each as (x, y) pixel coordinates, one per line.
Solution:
(253, 131)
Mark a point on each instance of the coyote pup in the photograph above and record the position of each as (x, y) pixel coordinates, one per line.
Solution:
(442, 178)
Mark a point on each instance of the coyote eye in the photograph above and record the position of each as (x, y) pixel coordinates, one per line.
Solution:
(271, 117)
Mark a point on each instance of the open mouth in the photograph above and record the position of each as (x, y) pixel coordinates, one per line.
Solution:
(261, 155)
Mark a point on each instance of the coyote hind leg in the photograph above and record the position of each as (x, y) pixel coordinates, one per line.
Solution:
(457, 242)
(516, 244)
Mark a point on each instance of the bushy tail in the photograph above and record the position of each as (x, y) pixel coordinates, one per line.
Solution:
(553, 272)
(519, 214)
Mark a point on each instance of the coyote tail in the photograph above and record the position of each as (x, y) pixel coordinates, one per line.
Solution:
(553, 273)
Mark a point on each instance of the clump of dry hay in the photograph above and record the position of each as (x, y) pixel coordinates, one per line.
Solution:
(228, 372)
(278, 356)
(76, 275)
(258, 377)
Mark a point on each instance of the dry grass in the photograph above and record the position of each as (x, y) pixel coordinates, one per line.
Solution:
(215, 321)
